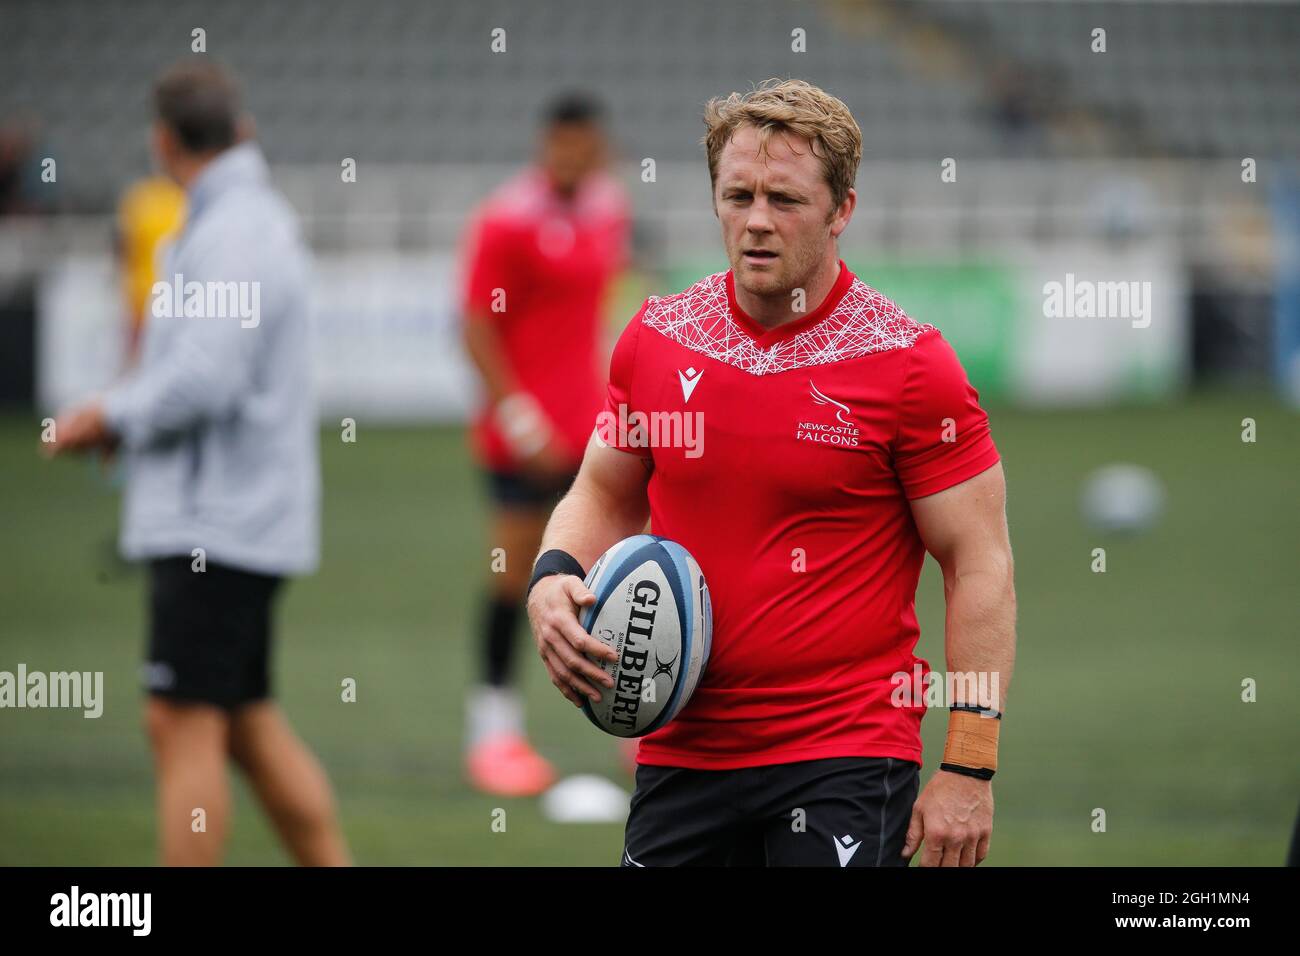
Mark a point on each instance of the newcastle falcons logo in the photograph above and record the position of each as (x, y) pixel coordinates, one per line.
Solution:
(840, 408)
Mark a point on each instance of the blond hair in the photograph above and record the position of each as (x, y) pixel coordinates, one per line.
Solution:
(795, 107)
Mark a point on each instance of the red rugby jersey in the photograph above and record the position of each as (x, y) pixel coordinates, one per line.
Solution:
(549, 262)
(814, 436)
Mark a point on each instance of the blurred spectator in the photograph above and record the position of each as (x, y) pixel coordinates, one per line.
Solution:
(150, 213)
(21, 190)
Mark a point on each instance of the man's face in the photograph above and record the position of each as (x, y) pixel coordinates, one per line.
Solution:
(776, 212)
(570, 152)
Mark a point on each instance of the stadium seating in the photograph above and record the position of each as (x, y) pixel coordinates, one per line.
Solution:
(412, 82)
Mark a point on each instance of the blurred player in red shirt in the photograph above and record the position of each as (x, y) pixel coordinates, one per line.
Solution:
(541, 255)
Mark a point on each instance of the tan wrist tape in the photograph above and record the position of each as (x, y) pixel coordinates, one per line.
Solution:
(972, 740)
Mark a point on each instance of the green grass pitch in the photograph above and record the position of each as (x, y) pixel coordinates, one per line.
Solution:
(1126, 694)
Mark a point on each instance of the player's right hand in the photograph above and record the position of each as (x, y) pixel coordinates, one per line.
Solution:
(531, 437)
(561, 641)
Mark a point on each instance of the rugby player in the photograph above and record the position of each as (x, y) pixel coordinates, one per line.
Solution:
(542, 253)
(841, 442)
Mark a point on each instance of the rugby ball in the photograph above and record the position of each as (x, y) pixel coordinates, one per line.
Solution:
(1122, 498)
(652, 607)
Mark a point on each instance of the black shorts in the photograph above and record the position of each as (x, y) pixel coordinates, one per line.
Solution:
(516, 489)
(209, 633)
(842, 811)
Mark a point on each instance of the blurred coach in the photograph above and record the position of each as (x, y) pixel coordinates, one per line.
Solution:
(218, 429)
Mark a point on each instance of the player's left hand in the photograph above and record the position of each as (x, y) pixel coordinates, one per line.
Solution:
(953, 817)
(80, 429)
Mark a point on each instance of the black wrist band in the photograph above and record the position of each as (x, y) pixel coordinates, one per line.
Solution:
(982, 711)
(982, 772)
(555, 561)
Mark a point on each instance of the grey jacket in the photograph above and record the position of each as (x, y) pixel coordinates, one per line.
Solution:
(218, 421)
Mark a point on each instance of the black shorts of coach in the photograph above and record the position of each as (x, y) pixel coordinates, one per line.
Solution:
(209, 633)
(841, 811)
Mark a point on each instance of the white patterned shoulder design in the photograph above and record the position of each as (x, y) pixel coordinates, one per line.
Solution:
(863, 322)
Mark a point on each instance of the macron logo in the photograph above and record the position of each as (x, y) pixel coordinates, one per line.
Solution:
(690, 378)
(845, 850)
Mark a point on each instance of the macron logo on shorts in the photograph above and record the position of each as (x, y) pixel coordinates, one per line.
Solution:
(156, 675)
(845, 851)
